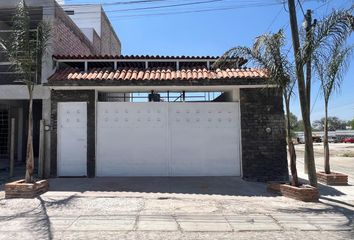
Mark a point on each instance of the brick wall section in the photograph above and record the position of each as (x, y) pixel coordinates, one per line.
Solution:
(68, 38)
(110, 43)
(96, 42)
(264, 156)
(74, 96)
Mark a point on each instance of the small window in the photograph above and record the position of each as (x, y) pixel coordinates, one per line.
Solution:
(70, 12)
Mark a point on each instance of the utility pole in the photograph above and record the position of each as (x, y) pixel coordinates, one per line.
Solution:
(303, 95)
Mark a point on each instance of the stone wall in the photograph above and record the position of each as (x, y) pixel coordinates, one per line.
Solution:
(74, 96)
(264, 156)
(96, 41)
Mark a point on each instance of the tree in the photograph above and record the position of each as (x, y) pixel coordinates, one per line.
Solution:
(330, 64)
(267, 52)
(303, 93)
(351, 124)
(25, 48)
(334, 123)
(300, 126)
(332, 30)
(294, 124)
(293, 121)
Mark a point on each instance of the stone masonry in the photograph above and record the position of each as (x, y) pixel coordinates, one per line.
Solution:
(74, 96)
(263, 153)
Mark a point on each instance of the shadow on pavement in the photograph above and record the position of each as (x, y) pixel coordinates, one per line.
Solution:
(325, 190)
(332, 206)
(42, 225)
(232, 186)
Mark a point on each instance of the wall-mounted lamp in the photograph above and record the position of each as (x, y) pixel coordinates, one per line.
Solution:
(47, 128)
(268, 130)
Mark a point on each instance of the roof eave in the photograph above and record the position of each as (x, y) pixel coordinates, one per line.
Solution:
(176, 82)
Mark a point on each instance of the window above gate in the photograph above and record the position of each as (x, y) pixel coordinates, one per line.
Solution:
(166, 96)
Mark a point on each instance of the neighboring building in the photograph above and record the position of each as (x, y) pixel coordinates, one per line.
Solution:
(94, 23)
(238, 132)
(67, 38)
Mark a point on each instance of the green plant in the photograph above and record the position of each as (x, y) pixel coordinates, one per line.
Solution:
(25, 48)
(331, 60)
(268, 52)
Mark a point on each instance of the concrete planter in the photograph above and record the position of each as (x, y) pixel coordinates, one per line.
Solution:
(305, 193)
(21, 189)
(332, 178)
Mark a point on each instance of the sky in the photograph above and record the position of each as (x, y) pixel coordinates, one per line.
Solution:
(211, 27)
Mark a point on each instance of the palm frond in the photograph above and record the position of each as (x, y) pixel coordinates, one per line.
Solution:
(267, 53)
(331, 66)
(24, 47)
(333, 29)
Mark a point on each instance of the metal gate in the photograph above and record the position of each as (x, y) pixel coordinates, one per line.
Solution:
(168, 139)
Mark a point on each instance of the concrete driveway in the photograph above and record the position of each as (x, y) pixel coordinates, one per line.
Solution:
(174, 208)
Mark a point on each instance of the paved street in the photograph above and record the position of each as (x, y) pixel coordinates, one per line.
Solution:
(339, 159)
(175, 208)
(182, 208)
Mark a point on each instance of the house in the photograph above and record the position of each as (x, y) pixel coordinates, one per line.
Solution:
(183, 118)
(69, 36)
(111, 115)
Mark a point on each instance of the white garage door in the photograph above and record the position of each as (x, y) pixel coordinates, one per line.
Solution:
(72, 138)
(168, 139)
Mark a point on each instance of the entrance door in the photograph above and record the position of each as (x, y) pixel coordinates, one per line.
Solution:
(72, 138)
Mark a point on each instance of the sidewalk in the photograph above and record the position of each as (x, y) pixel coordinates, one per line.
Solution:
(181, 208)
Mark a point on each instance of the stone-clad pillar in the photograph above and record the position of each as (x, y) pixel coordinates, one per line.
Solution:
(74, 96)
(264, 156)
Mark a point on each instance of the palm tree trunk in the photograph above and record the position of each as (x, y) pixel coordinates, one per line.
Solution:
(308, 19)
(291, 148)
(325, 141)
(29, 152)
(305, 112)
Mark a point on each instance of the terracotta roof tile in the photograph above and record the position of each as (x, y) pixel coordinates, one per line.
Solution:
(131, 57)
(156, 74)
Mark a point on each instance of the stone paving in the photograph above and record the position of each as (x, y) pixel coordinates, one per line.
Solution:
(182, 209)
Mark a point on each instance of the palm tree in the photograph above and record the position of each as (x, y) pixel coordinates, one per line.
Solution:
(267, 52)
(334, 27)
(330, 57)
(330, 68)
(25, 48)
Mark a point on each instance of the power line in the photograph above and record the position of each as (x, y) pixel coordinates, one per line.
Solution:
(249, 5)
(48, 7)
(197, 11)
(302, 10)
(119, 3)
(275, 18)
(163, 6)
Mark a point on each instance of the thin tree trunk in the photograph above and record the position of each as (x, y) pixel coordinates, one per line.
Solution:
(29, 152)
(308, 71)
(291, 148)
(303, 96)
(325, 141)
